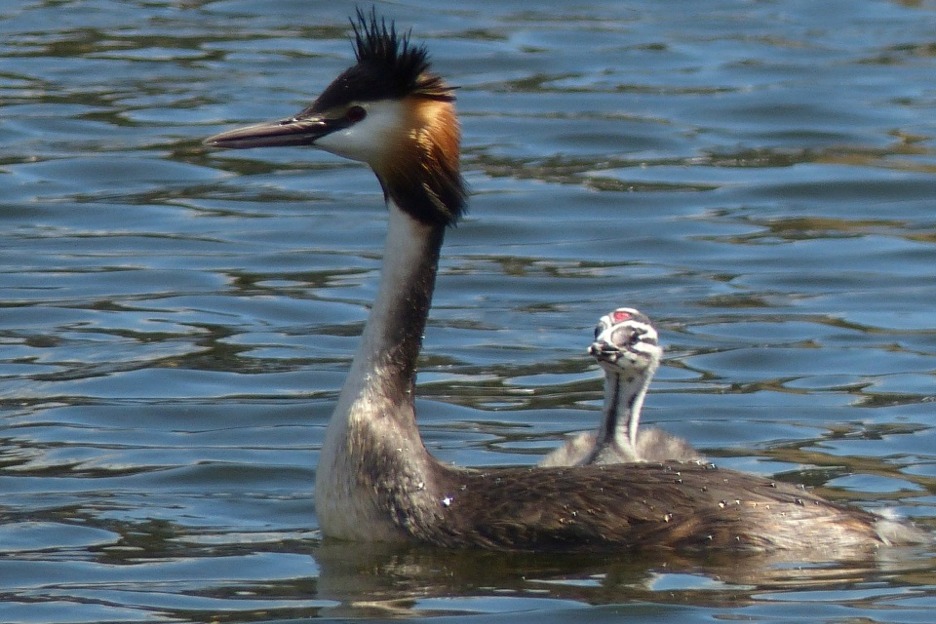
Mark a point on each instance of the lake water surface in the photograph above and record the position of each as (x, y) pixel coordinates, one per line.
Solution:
(175, 323)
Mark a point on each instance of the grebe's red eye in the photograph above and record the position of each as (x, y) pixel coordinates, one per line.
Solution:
(355, 114)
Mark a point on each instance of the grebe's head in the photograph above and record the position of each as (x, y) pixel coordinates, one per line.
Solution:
(389, 111)
(626, 341)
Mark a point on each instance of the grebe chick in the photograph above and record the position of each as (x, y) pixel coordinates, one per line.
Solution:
(626, 346)
(375, 480)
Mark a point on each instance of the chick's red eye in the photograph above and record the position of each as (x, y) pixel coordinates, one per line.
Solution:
(355, 114)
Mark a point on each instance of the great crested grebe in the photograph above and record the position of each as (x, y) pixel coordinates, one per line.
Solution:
(627, 347)
(376, 481)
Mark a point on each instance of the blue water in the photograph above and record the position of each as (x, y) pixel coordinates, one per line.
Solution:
(175, 323)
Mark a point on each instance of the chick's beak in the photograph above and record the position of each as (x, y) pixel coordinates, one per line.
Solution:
(604, 350)
(299, 130)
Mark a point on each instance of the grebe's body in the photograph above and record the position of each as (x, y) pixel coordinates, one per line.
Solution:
(375, 479)
(626, 346)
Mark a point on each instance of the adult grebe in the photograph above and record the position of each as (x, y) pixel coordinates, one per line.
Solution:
(375, 479)
(626, 346)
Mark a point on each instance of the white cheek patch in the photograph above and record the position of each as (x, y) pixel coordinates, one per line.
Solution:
(367, 139)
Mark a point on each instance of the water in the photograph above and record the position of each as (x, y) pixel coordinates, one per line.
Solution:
(759, 177)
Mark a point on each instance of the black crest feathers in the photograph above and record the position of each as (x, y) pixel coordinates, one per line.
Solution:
(376, 43)
(403, 65)
(389, 66)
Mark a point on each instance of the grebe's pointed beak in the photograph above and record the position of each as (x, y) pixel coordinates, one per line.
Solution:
(300, 130)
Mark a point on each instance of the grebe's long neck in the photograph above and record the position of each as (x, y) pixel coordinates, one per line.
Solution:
(624, 397)
(385, 363)
(373, 451)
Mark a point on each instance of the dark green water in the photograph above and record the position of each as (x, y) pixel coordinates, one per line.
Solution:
(759, 177)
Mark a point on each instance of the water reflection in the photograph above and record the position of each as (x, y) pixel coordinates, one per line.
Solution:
(393, 582)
